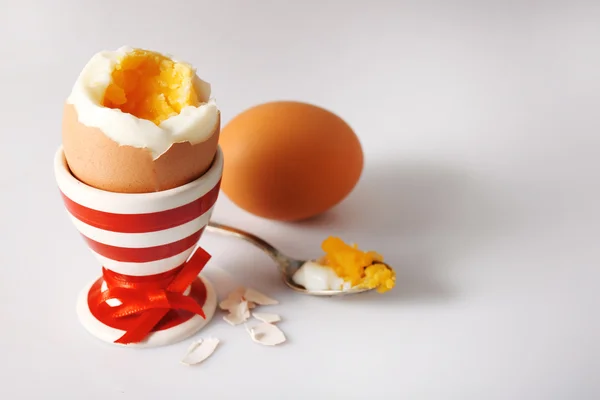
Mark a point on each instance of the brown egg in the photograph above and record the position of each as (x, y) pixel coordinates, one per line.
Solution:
(288, 160)
(100, 162)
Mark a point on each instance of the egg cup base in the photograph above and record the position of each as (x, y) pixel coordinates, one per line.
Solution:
(158, 338)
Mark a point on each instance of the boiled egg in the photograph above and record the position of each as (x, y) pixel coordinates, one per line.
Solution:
(139, 121)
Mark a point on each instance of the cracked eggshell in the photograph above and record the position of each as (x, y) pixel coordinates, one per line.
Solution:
(266, 334)
(100, 162)
(267, 317)
(200, 351)
(255, 296)
(233, 299)
(238, 314)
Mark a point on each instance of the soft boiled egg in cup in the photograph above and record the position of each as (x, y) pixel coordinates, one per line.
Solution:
(139, 171)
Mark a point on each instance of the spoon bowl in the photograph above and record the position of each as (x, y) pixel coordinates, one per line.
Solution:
(287, 265)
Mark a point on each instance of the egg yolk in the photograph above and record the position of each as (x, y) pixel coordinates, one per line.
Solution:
(150, 86)
(360, 268)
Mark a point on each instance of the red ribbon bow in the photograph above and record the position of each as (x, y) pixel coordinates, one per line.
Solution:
(152, 300)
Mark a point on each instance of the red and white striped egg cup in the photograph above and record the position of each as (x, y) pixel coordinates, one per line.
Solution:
(142, 235)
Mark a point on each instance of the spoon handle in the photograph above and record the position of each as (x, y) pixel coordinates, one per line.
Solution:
(255, 240)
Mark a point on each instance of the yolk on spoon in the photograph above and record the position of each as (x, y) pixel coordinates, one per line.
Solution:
(360, 268)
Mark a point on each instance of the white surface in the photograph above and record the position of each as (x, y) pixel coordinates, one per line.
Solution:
(480, 125)
(156, 339)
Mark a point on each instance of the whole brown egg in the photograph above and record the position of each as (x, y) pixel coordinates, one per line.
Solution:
(289, 160)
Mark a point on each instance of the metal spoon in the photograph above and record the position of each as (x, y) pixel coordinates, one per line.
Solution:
(287, 265)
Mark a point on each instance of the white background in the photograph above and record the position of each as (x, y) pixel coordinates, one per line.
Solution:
(481, 129)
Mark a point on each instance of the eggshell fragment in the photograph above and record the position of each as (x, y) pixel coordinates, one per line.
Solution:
(200, 351)
(259, 298)
(267, 317)
(266, 334)
(100, 162)
(238, 314)
(233, 299)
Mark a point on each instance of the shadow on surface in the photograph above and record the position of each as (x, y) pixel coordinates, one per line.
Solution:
(423, 217)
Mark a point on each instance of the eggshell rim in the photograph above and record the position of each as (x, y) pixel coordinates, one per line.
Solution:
(136, 203)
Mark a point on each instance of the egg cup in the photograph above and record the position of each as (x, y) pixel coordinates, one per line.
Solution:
(141, 239)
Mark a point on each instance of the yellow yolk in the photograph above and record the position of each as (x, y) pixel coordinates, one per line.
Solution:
(150, 86)
(360, 268)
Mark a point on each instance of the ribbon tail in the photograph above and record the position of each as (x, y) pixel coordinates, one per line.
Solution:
(186, 303)
(146, 323)
(190, 271)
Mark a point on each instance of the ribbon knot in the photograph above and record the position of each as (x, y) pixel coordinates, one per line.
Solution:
(151, 299)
